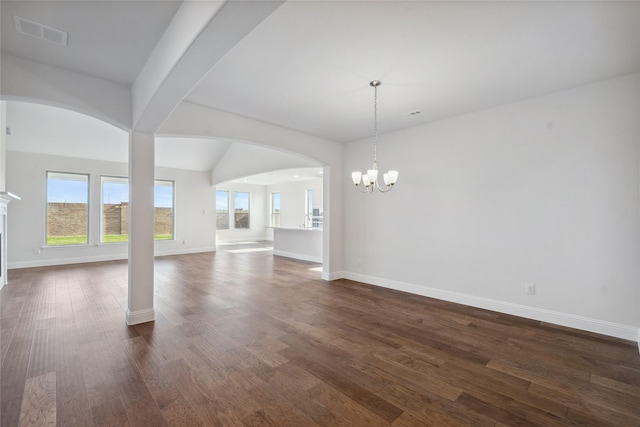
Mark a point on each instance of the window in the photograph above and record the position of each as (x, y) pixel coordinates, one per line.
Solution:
(67, 209)
(275, 209)
(241, 205)
(308, 208)
(163, 192)
(222, 210)
(115, 209)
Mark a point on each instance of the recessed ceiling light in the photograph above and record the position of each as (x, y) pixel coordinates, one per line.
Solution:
(295, 176)
(413, 113)
(40, 31)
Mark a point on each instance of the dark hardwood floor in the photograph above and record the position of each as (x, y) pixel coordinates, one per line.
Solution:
(246, 338)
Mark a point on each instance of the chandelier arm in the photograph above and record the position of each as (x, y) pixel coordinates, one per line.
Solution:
(384, 190)
(366, 190)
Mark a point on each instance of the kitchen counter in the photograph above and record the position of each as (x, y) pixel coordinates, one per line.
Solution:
(298, 243)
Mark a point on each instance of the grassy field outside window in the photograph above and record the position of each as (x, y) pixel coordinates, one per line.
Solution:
(82, 240)
(67, 208)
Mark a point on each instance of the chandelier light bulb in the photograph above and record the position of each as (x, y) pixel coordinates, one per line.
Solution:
(372, 174)
(356, 176)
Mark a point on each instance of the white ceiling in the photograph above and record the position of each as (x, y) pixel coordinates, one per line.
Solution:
(37, 128)
(308, 65)
(107, 39)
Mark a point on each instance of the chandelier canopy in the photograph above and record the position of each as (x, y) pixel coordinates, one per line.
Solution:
(369, 180)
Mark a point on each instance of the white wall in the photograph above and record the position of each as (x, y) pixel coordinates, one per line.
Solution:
(3, 143)
(542, 191)
(292, 200)
(258, 206)
(26, 175)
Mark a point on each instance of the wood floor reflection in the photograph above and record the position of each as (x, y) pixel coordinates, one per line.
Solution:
(245, 338)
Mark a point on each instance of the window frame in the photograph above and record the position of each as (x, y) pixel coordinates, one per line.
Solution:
(235, 210)
(102, 182)
(88, 209)
(228, 210)
(173, 209)
(272, 220)
(308, 207)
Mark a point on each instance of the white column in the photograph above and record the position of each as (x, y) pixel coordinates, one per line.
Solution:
(3, 242)
(141, 219)
(3, 144)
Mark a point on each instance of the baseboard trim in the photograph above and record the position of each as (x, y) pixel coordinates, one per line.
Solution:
(336, 275)
(140, 316)
(185, 251)
(64, 261)
(301, 257)
(222, 242)
(101, 258)
(558, 318)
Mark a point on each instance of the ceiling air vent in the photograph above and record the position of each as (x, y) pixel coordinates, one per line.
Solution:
(30, 28)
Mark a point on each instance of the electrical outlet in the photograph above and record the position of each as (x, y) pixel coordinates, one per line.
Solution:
(530, 289)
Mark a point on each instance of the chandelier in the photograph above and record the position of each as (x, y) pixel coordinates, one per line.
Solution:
(370, 179)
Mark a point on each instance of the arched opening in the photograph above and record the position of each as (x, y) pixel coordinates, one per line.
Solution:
(281, 210)
(67, 144)
(55, 160)
(266, 199)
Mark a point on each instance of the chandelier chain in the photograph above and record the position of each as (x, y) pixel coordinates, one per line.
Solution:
(375, 123)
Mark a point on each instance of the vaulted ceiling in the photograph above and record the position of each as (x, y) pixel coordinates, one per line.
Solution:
(307, 66)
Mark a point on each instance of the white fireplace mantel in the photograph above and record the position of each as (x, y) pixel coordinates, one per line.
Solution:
(5, 198)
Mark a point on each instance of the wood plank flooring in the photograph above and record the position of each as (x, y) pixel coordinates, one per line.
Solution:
(249, 339)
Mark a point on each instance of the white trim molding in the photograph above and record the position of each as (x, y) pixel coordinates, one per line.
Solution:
(563, 319)
(140, 316)
(333, 276)
(5, 199)
(66, 261)
(184, 251)
(100, 258)
(301, 257)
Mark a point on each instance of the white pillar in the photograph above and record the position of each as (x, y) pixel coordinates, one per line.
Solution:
(141, 220)
(3, 144)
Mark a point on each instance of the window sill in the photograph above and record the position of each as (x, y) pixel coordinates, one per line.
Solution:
(46, 248)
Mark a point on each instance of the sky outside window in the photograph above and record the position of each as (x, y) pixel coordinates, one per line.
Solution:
(241, 201)
(115, 191)
(222, 200)
(61, 190)
(163, 194)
